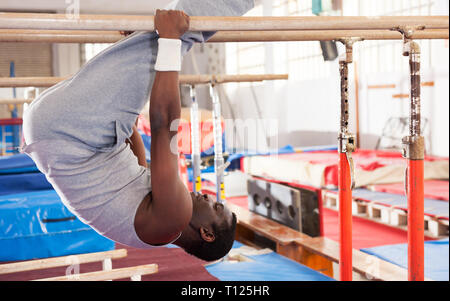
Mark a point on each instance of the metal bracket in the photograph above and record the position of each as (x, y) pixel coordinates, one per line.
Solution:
(413, 147)
(409, 46)
(221, 169)
(347, 145)
(348, 43)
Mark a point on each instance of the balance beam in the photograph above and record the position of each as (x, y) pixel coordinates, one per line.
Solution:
(7, 82)
(54, 262)
(74, 36)
(134, 273)
(146, 23)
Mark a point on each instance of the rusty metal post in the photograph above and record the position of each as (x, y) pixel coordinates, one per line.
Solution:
(414, 152)
(346, 181)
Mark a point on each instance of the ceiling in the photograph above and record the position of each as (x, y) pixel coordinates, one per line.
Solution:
(137, 7)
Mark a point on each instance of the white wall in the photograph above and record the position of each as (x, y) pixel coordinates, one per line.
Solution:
(307, 112)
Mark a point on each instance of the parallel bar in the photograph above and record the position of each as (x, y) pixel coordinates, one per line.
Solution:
(414, 152)
(325, 35)
(134, 23)
(195, 143)
(77, 36)
(416, 240)
(14, 101)
(219, 161)
(48, 263)
(6, 82)
(345, 219)
(130, 272)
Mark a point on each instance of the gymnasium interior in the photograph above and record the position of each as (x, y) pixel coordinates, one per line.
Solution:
(322, 124)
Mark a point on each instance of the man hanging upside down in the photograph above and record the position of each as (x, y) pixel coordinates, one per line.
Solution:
(81, 134)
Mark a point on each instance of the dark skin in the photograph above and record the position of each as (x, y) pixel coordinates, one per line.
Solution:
(170, 209)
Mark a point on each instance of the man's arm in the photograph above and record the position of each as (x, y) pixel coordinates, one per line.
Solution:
(137, 147)
(170, 209)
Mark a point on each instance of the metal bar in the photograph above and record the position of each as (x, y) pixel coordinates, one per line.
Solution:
(78, 36)
(219, 162)
(345, 219)
(195, 143)
(14, 101)
(414, 152)
(325, 35)
(137, 23)
(345, 168)
(184, 79)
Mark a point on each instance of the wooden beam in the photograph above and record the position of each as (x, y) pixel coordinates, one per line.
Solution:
(15, 101)
(86, 36)
(135, 23)
(185, 79)
(324, 35)
(48, 263)
(134, 273)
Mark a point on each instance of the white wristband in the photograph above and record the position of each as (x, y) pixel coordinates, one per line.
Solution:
(169, 55)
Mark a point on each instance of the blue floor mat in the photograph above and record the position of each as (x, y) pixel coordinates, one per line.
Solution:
(436, 257)
(267, 267)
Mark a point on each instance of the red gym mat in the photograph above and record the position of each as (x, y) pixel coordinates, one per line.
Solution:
(366, 233)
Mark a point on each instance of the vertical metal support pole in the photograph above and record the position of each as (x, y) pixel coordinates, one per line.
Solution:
(14, 113)
(195, 143)
(414, 152)
(219, 164)
(346, 172)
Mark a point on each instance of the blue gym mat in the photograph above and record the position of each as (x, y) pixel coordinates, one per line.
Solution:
(37, 225)
(436, 257)
(267, 267)
(15, 164)
(21, 183)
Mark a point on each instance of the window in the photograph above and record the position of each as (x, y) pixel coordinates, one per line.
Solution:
(88, 51)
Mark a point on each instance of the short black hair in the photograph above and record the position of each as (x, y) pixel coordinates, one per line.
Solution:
(210, 251)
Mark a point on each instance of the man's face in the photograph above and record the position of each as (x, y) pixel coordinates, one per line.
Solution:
(207, 212)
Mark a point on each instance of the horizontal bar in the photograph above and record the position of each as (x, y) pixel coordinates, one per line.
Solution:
(85, 36)
(185, 79)
(9, 121)
(146, 23)
(48, 263)
(15, 101)
(108, 275)
(325, 35)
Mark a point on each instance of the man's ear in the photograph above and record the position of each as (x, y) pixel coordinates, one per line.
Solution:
(207, 235)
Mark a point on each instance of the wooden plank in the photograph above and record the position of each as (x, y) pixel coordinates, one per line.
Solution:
(48, 263)
(387, 86)
(130, 272)
(184, 79)
(306, 257)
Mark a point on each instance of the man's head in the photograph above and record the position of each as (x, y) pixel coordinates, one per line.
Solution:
(211, 229)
